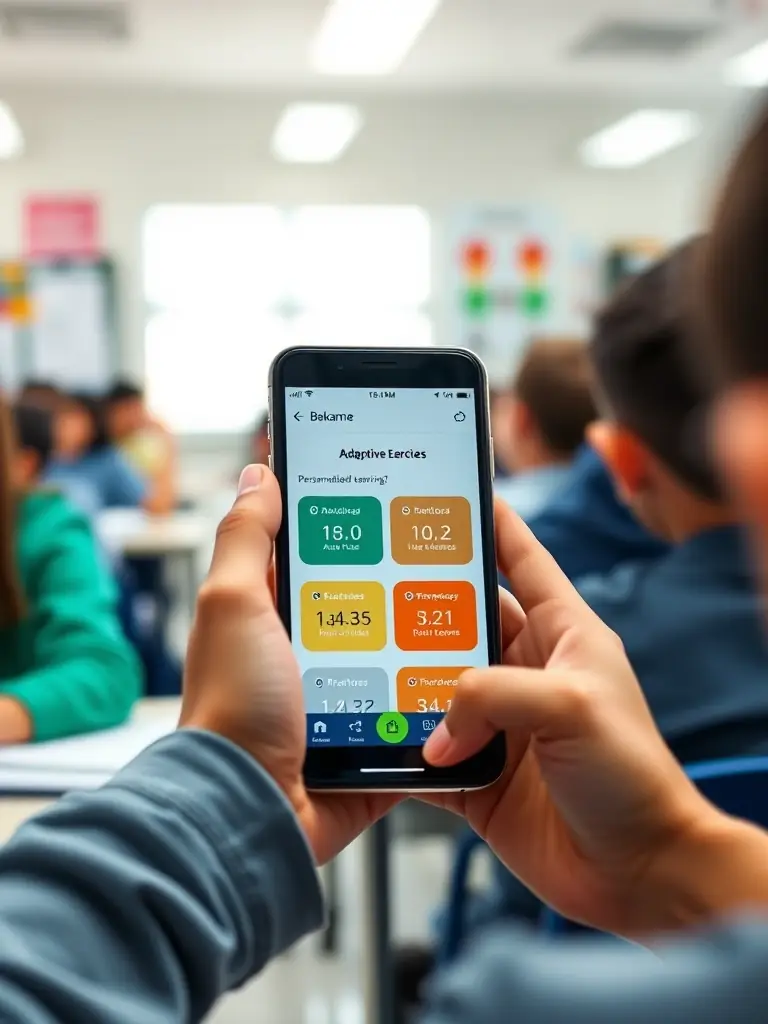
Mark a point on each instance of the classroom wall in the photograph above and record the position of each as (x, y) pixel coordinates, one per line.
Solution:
(136, 148)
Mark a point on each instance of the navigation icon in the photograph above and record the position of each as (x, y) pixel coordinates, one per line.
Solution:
(392, 727)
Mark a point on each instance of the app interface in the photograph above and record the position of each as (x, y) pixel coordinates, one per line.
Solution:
(387, 589)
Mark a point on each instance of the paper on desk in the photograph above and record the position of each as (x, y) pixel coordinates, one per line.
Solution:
(82, 762)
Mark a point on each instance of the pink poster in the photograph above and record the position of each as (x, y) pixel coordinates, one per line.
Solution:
(65, 226)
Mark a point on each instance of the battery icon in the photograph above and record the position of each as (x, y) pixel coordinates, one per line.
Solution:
(462, 394)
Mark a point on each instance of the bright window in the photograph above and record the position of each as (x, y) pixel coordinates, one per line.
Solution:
(228, 287)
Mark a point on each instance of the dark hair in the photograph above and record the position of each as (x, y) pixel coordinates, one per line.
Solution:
(13, 605)
(123, 390)
(39, 384)
(34, 431)
(641, 351)
(41, 393)
(94, 407)
(555, 383)
(730, 287)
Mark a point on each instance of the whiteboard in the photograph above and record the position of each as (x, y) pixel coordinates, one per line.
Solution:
(10, 370)
(71, 331)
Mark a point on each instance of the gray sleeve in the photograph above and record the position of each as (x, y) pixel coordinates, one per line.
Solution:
(146, 900)
(513, 976)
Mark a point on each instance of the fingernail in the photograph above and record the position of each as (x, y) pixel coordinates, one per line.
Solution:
(250, 479)
(438, 744)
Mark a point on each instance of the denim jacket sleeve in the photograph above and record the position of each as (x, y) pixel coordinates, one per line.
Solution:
(146, 900)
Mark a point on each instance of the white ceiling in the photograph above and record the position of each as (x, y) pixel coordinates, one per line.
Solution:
(480, 45)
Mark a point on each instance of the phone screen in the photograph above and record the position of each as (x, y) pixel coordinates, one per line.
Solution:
(387, 585)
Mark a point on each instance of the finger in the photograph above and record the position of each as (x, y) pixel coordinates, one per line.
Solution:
(520, 700)
(534, 576)
(246, 536)
(512, 618)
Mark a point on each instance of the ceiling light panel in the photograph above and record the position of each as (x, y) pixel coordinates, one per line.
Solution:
(315, 133)
(750, 68)
(11, 137)
(369, 37)
(638, 138)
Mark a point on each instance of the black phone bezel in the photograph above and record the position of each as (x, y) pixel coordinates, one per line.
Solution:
(379, 369)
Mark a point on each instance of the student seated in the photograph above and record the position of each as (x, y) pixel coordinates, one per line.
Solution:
(40, 393)
(586, 528)
(86, 467)
(690, 620)
(146, 443)
(561, 487)
(543, 422)
(65, 665)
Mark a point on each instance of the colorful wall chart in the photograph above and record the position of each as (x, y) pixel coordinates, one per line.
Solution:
(15, 305)
(507, 269)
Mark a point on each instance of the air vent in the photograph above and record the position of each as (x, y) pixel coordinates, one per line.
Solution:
(57, 22)
(645, 39)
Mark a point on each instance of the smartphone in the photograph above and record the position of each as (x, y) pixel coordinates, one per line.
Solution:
(385, 562)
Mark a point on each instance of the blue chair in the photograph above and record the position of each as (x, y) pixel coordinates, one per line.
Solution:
(454, 926)
(738, 786)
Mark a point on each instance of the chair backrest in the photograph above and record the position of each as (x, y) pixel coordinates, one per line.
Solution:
(738, 786)
(452, 928)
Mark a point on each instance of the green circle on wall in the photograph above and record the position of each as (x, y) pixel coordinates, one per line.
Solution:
(477, 301)
(534, 302)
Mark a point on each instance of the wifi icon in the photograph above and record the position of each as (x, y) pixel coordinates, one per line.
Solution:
(309, 393)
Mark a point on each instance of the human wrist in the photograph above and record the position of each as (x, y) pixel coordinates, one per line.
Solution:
(719, 867)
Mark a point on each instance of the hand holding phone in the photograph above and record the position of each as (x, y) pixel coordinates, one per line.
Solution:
(241, 679)
(386, 575)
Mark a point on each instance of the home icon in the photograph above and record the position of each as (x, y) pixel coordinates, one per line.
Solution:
(320, 727)
(392, 727)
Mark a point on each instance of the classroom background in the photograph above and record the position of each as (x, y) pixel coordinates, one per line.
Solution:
(189, 186)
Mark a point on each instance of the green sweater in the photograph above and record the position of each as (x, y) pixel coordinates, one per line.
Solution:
(68, 662)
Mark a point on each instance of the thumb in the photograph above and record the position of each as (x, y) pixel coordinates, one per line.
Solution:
(246, 536)
(519, 701)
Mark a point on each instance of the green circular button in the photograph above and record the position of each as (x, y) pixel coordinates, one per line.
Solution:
(392, 727)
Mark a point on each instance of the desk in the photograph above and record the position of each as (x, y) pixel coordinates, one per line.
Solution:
(14, 811)
(134, 534)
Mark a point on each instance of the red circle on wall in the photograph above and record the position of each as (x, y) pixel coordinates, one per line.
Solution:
(476, 257)
(532, 257)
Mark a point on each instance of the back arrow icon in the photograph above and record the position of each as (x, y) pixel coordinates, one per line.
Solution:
(297, 416)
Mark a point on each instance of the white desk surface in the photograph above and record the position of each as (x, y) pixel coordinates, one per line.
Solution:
(133, 532)
(14, 811)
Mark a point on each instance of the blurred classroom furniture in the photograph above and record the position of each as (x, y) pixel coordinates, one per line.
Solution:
(180, 536)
